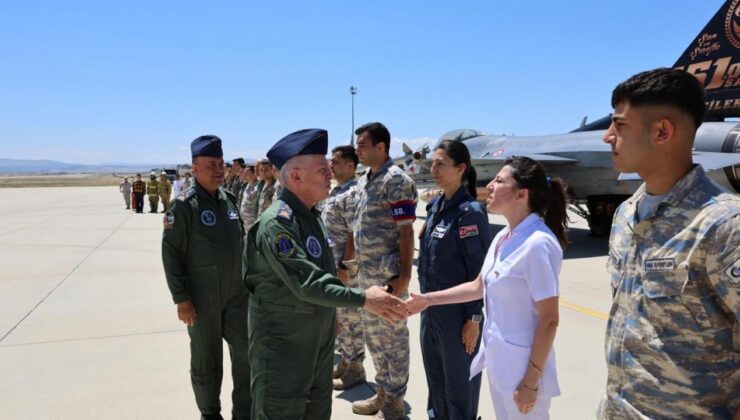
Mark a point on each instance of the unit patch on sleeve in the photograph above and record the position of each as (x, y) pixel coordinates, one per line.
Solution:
(284, 245)
(466, 231)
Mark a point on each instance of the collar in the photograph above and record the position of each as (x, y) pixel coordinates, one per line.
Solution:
(525, 225)
(460, 195)
(383, 168)
(678, 192)
(343, 186)
(220, 194)
(297, 205)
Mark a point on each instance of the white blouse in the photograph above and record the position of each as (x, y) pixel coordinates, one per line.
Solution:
(520, 269)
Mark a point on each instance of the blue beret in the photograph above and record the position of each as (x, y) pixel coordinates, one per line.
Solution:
(311, 141)
(208, 145)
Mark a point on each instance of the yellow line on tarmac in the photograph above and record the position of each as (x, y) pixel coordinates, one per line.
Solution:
(584, 310)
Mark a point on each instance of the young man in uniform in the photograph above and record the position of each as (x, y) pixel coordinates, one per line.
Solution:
(290, 271)
(152, 190)
(384, 249)
(201, 253)
(672, 341)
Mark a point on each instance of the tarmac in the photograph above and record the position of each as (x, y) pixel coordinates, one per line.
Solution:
(88, 329)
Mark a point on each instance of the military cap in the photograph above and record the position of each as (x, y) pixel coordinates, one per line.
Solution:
(310, 141)
(208, 145)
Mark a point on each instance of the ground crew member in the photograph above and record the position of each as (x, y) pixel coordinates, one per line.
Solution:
(165, 190)
(125, 189)
(248, 205)
(290, 271)
(673, 336)
(152, 190)
(139, 189)
(452, 248)
(201, 250)
(337, 213)
(384, 244)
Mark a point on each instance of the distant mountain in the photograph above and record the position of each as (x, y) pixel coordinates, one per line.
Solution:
(17, 166)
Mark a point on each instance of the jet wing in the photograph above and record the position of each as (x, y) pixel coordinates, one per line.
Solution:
(710, 161)
(488, 159)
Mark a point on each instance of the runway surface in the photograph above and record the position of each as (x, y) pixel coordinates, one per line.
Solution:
(88, 329)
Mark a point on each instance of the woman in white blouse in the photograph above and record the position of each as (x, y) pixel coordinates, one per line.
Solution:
(519, 282)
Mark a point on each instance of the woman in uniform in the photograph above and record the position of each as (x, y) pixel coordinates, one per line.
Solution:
(519, 281)
(453, 245)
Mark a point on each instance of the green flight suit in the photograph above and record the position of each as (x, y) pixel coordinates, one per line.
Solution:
(201, 249)
(289, 269)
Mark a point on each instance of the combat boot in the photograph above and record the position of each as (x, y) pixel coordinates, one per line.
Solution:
(340, 368)
(392, 409)
(371, 405)
(353, 375)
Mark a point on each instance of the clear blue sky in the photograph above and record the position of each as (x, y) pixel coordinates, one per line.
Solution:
(136, 81)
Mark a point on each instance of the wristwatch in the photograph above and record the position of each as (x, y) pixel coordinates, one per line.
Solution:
(477, 318)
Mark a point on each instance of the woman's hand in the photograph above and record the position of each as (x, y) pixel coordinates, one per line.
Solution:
(525, 397)
(470, 334)
(416, 303)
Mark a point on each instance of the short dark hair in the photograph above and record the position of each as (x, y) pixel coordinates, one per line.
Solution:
(240, 161)
(347, 153)
(663, 86)
(227, 164)
(378, 134)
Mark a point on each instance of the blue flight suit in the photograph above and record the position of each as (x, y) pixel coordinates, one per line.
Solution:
(453, 246)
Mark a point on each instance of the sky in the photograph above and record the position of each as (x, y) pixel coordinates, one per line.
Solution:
(136, 81)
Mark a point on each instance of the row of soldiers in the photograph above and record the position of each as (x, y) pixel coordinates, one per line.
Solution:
(157, 190)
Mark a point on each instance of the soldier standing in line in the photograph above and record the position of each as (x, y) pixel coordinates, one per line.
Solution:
(289, 269)
(337, 214)
(165, 190)
(236, 183)
(201, 253)
(384, 244)
(125, 189)
(268, 188)
(248, 204)
(139, 189)
(152, 190)
(278, 184)
(673, 336)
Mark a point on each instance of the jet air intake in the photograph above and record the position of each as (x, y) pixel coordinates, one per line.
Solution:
(732, 145)
(721, 137)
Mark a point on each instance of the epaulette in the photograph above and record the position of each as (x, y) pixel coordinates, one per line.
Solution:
(285, 212)
(186, 194)
(467, 208)
(395, 170)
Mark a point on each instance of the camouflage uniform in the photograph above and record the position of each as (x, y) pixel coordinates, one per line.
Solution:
(278, 191)
(385, 200)
(248, 204)
(265, 197)
(337, 215)
(673, 337)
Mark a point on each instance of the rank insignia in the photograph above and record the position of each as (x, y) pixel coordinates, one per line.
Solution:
(285, 212)
(233, 215)
(284, 245)
(168, 220)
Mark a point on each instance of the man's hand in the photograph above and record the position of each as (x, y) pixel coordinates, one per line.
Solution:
(470, 333)
(186, 313)
(399, 286)
(416, 303)
(384, 305)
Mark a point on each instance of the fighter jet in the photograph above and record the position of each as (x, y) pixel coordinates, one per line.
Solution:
(584, 161)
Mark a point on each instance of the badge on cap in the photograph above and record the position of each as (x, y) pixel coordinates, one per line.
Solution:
(313, 246)
(732, 272)
(168, 220)
(233, 215)
(208, 218)
(284, 245)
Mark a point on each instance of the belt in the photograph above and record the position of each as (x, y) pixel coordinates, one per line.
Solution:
(301, 308)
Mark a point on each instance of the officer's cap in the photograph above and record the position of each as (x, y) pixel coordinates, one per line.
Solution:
(311, 141)
(208, 145)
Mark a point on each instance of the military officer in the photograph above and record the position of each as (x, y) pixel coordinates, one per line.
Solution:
(289, 269)
(152, 190)
(201, 250)
(165, 190)
(674, 260)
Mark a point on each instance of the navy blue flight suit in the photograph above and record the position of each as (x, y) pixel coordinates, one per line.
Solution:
(453, 246)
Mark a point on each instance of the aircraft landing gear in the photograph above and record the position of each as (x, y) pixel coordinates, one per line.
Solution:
(599, 212)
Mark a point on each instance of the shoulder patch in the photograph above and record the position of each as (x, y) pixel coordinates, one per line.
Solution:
(169, 220)
(186, 194)
(284, 245)
(285, 212)
(732, 272)
(395, 170)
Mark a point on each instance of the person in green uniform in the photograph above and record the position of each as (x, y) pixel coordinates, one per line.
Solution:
(290, 272)
(201, 250)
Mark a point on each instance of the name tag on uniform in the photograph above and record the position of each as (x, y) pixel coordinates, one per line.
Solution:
(660, 264)
(439, 231)
(233, 215)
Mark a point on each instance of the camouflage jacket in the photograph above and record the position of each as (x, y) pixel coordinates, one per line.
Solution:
(673, 338)
(265, 197)
(385, 200)
(337, 213)
(248, 204)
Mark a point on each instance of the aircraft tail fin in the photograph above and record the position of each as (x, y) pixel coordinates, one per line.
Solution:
(714, 58)
(407, 150)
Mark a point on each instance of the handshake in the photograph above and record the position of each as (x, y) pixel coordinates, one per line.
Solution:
(380, 302)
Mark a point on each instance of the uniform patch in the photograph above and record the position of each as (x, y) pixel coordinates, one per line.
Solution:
(466, 231)
(208, 218)
(285, 212)
(403, 210)
(186, 194)
(330, 241)
(168, 220)
(284, 245)
(233, 215)
(733, 272)
(439, 231)
(660, 264)
(313, 246)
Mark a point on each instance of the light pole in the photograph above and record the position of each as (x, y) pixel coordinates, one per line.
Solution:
(352, 92)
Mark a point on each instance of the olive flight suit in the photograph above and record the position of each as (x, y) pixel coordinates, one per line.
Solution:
(289, 269)
(201, 250)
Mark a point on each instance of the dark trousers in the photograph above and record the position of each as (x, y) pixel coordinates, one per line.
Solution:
(139, 202)
(447, 366)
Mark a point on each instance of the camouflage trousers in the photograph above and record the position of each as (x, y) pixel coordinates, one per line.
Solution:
(388, 345)
(350, 341)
